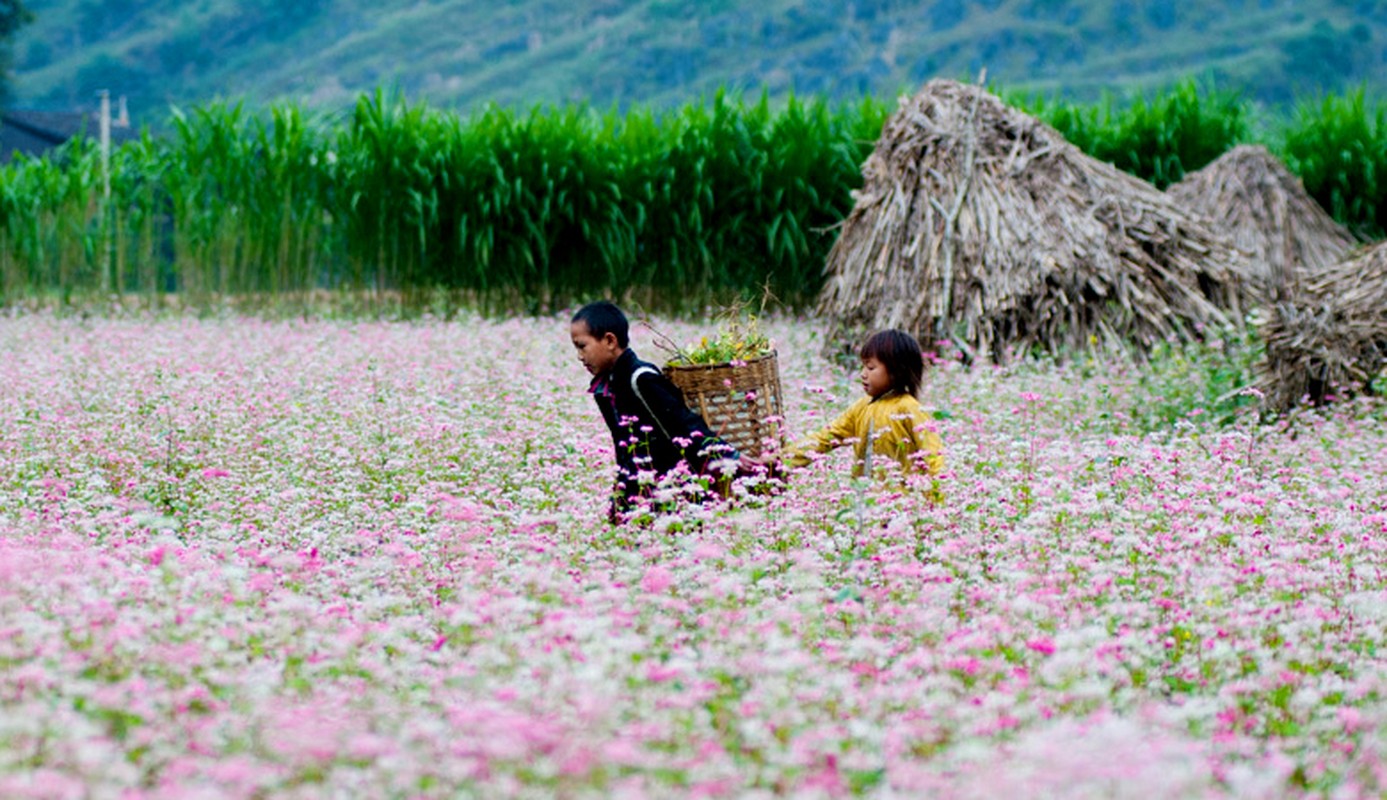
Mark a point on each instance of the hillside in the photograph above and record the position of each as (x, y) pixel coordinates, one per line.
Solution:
(461, 54)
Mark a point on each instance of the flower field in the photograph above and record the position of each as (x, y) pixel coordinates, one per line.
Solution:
(242, 558)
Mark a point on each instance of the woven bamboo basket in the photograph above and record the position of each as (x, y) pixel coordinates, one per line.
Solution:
(739, 401)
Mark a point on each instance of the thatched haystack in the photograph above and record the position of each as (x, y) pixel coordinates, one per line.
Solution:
(983, 224)
(1330, 337)
(1250, 196)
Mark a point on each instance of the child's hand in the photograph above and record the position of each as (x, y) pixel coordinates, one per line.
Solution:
(764, 464)
(757, 463)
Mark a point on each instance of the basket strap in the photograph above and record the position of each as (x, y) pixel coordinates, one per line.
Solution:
(635, 387)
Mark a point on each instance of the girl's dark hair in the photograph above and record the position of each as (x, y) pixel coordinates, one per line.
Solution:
(900, 354)
(603, 318)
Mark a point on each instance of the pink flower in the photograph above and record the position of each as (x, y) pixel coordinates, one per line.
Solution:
(657, 579)
(659, 673)
(1351, 719)
(1043, 645)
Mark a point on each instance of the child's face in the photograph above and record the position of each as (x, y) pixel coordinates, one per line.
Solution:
(876, 381)
(597, 355)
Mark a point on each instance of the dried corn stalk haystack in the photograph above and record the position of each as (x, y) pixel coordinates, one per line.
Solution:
(1330, 337)
(983, 224)
(1250, 196)
(740, 401)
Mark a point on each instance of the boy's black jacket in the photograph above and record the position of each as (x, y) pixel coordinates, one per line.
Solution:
(663, 412)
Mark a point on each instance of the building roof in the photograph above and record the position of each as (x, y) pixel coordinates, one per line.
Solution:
(36, 132)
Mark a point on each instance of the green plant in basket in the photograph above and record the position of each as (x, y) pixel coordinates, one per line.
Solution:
(737, 339)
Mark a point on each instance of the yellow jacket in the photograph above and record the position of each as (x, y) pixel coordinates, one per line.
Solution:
(891, 426)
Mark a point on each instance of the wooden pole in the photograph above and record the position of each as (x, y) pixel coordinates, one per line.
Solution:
(106, 190)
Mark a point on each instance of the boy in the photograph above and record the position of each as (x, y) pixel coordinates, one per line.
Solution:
(653, 432)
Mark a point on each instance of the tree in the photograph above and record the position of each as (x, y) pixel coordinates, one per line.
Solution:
(1326, 58)
(13, 16)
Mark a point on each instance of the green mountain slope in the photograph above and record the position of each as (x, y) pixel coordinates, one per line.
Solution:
(462, 53)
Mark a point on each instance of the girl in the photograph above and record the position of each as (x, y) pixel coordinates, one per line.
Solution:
(887, 427)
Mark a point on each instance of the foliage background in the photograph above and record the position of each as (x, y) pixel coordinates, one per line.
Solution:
(462, 55)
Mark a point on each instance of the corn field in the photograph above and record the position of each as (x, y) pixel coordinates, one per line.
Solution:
(398, 208)
(401, 206)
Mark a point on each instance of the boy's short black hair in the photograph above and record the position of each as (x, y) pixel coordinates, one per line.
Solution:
(900, 354)
(602, 318)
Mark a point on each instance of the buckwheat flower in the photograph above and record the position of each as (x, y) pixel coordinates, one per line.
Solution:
(657, 580)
